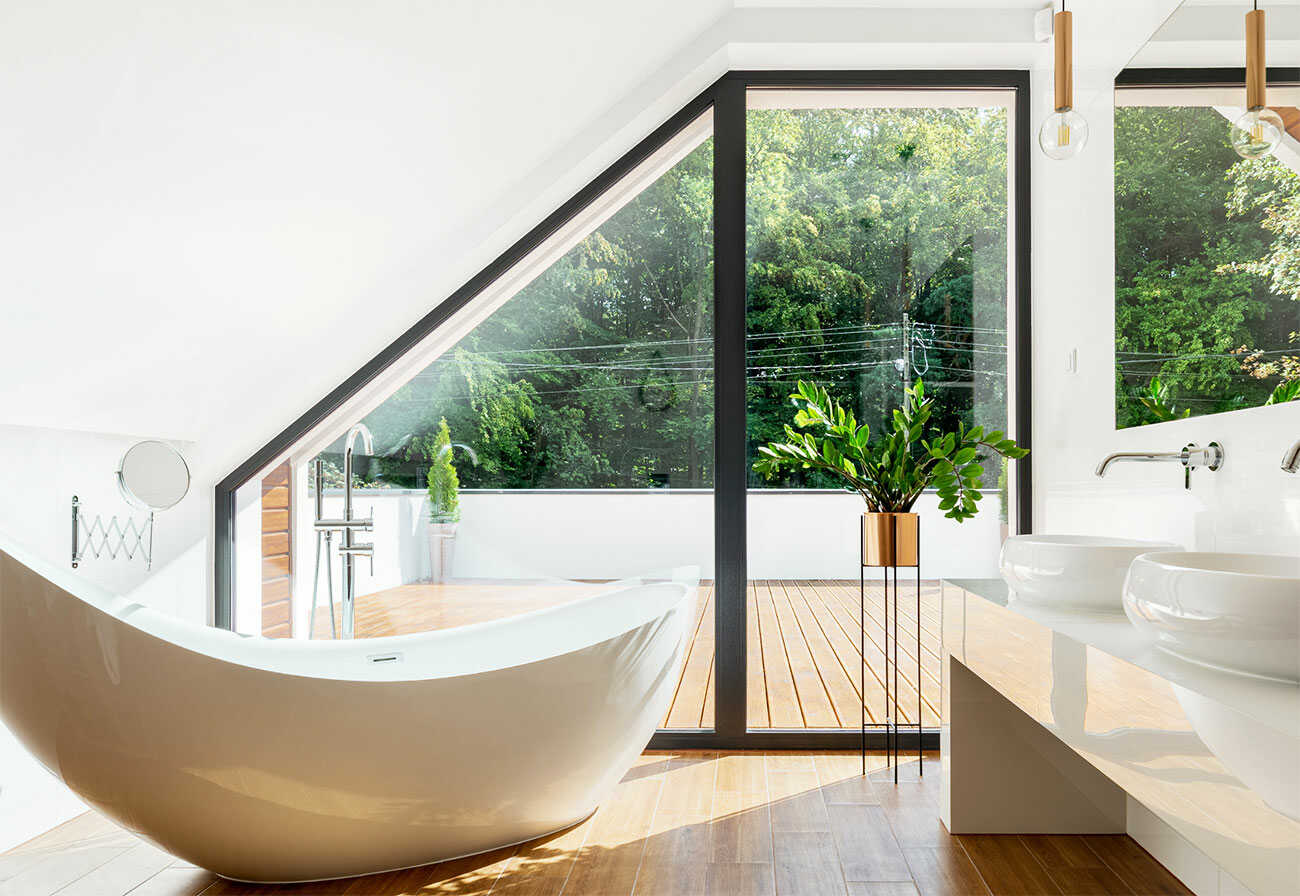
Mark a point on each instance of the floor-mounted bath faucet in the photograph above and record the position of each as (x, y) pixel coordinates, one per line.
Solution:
(349, 548)
(1291, 460)
(1191, 457)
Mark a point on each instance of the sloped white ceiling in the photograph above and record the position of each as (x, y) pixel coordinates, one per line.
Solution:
(210, 206)
(216, 212)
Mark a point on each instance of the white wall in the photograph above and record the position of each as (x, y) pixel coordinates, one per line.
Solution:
(616, 534)
(40, 471)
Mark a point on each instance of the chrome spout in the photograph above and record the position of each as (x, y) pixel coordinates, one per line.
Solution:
(1291, 460)
(1191, 457)
(350, 549)
(1149, 457)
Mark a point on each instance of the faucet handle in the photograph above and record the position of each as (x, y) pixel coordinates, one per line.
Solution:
(1210, 457)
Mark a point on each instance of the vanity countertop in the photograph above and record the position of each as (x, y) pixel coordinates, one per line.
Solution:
(1274, 704)
(1213, 753)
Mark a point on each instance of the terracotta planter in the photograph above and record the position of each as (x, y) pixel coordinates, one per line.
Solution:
(890, 539)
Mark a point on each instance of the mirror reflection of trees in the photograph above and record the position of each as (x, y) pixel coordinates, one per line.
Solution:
(1207, 266)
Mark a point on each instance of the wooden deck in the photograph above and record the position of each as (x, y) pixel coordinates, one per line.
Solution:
(679, 824)
(805, 662)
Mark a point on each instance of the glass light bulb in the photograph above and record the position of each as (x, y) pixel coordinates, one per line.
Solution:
(1256, 133)
(1063, 134)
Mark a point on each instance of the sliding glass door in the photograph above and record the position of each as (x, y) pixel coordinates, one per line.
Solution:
(877, 238)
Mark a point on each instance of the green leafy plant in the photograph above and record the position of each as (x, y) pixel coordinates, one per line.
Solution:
(444, 484)
(1285, 391)
(1157, 401)
(891, 472)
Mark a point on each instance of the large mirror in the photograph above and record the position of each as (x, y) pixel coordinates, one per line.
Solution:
(1207, 243)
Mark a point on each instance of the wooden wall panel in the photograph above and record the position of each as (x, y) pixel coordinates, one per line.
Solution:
(277, 563)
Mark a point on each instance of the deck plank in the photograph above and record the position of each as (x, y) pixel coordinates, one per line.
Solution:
(756, 690)
(692, 685)
(842, 649)
(845, 606)
(847, 599)
(783, 706)
(810, 688)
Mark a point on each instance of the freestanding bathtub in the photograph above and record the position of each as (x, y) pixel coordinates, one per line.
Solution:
(276, 760)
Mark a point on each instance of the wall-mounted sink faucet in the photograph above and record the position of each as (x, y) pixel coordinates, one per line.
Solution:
(1291, 460)
(1191, 457)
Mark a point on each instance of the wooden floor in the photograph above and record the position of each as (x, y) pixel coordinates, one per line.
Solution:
(679, 824)
(805, 659)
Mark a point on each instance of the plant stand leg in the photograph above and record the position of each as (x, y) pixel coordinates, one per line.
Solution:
(897, 712)
(862, 633)
(920, 756)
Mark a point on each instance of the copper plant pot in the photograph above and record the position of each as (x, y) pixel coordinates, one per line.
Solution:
(890, 539)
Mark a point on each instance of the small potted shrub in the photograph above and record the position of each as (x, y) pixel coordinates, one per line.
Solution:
(444, 504)
(890, 472)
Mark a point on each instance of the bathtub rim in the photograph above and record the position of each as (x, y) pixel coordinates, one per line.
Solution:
(343, 657)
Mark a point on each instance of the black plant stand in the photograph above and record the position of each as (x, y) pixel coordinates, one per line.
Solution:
(891, 724)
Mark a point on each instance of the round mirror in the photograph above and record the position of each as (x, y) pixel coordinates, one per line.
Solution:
(153, 475)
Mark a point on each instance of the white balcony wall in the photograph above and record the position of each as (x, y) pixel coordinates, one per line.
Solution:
(614, 534)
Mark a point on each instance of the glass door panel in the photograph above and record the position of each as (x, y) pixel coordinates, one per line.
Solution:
(878, 231)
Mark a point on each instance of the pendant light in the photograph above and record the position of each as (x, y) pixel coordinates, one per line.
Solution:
(1257, 132)
(1065, 131)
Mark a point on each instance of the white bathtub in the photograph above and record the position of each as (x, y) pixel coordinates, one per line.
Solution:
(272, 760)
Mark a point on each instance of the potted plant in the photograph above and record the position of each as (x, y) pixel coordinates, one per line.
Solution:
(892, 471)
(444, 504)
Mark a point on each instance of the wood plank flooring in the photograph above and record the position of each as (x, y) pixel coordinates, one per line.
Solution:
(806, 650)
(679, 824)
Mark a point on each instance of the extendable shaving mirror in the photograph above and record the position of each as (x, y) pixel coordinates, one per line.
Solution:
(153, 476)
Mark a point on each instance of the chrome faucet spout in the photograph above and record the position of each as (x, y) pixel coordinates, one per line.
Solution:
(1149, 457)
(350, 549)
(367, 440)
(1291, 460)
(1191, 457)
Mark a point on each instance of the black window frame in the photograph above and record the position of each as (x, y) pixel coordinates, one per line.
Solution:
(727, 98)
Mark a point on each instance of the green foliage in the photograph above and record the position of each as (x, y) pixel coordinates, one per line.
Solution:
(444, 485)
(1157, 403)
(855, 218)
(1268, 191)
(891, 472)
(598, 372)
(1288, 391)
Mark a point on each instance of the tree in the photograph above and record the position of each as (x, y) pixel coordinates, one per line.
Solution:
(597, 373)
(444, 486)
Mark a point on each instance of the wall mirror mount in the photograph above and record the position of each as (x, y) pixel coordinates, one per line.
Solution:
(152, 476)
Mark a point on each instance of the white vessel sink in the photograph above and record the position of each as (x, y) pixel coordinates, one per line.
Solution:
(1073, 572)
(1231, 611)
